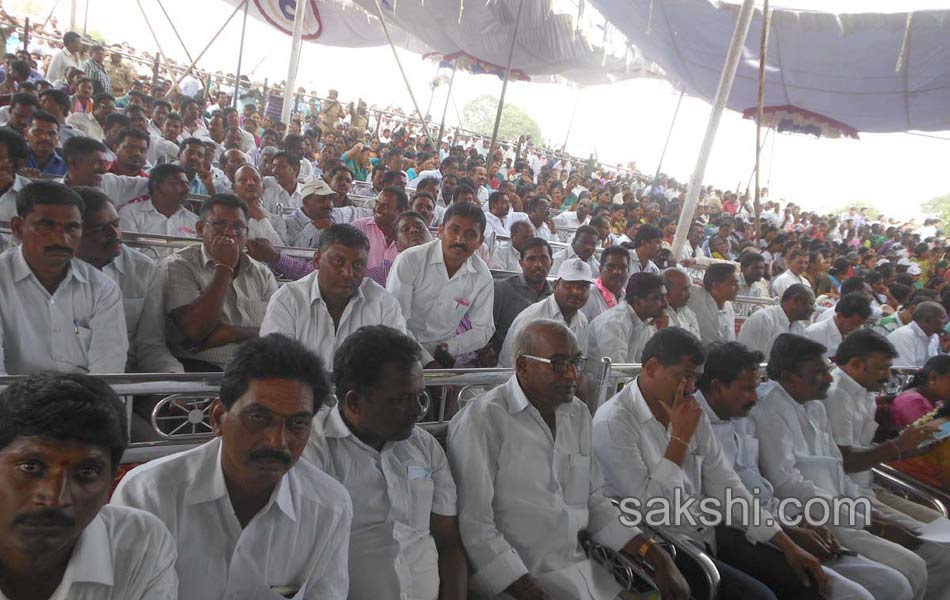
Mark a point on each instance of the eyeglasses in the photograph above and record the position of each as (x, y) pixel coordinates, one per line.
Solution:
(422, 399)
(559, 365)
(222, 226)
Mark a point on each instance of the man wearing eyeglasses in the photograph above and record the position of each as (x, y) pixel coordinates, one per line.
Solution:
(215, 296)
(405, 540)
(522, 459)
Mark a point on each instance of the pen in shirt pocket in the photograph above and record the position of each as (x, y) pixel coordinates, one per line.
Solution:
(76, 326)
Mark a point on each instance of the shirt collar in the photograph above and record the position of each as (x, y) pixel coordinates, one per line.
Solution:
(316, 295)
(91, 560)
(782, 317)
(21, 270)
(710, 413)
(119, 261)
(635, 401)
(515, 396)
(438, 258)
(847, 383)
(918, 331)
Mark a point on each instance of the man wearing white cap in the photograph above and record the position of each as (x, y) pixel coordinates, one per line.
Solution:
(315, 214)
(571, 291)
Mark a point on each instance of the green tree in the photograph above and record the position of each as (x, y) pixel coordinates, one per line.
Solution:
(478, 115)
(859, 204)
(938, 207)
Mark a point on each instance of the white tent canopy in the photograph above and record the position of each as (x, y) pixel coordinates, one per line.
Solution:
(872, 72)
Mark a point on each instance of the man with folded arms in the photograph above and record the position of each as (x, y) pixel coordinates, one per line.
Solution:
(250, 519)
(405, 540)
(521, 456)
(61, 439)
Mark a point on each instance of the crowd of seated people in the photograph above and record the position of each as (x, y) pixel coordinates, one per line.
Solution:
(322, 267)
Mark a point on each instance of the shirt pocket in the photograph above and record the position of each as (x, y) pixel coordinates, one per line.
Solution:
(277, 593)
(421, 491)
(82, 344)
(577, 486)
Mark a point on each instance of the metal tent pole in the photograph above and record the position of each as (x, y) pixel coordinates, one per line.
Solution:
(666, 144)
(382, 21)
(208, 45)
(504, 85)
(445, 109)
(570, 124)
(175, 29)
(300, 16)
(85, 19)
(719, 104)
(72, 15)
(763, 53)
(237, 76)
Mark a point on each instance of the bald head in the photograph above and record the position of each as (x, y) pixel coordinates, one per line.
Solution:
(248, 184)
(539, 334)
(677, 287)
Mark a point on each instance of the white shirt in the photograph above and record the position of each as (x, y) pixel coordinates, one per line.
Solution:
(143, 217)
(914, 347)
(544, 232)
(142, 284)
(298, 311)
(497, 225)
(434, 305)
(8, 199)
(851, 410)
(122, 189)
(568, 253)
(88, 125)
(80, 328)
(801, 458)
(122, 553)
(753, 290)
(785, 281)
(760, 330)
(505, 257)
(637, 267)
(684, 318)
(162, 151)
(190, 85)
(715, 324)
(395, 491)
(273, 228)
(630, 445)
(543, 309)
(430, 173)
(298, 539)
(524, 494)
(826, 333)
(569, 220)
(60, 63)
(619, 334)
(276, 196)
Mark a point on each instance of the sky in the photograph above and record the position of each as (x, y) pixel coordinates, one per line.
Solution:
(620, 122)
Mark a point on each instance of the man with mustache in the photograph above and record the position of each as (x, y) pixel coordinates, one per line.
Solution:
(334, 301)
(727, 394)
(791, 315)
(315, 214)
(131, 150)
(571, 290)
(43, 137)
(610, 286)
(522, 458)
(507, 257)
(380, 228)
(439, 284)
(678, 290)
(622, 332)
(249, 518)
(514, 294)
(163, 211)
(405, 530)
(86, 159)
(802, 461)
(582, 246)
(850, 314)
(58, 312)
(139, 279)
(261, 224)
(282, 189)
(61, 439)
(193, 159)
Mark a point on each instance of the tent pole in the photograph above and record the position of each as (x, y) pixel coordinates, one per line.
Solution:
(85, 18)
(237, 75)
(445, 109)
(161, 53)
(300, 15)
(666, 144)
(504, 85)
(382, 21)
(570, 124)
(208, 45)
(72, 15)
(174, 29)
(763, 54)
(719, 104)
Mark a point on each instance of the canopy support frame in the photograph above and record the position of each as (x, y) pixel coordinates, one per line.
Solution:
(504, 85)
(760, 102)
(300, 16)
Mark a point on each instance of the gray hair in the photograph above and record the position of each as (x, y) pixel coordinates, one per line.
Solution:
(929, 310)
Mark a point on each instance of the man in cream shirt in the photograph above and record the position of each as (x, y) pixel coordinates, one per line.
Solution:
(334, 301)
(789, 316)
(621, 332)
(250, 519)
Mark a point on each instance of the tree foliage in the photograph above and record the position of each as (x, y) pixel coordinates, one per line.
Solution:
(478, 115)
(873, 212)
(938, 207)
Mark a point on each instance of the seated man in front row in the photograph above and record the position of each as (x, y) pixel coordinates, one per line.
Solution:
(61, 439)
(405, 539)
(521, 454)
(249, 518)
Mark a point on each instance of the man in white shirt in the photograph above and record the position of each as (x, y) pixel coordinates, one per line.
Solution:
(797, 261)
(622, 332)
(282, 190)
(582, 246)
(751, 273)
(87, 165)
(571, 290)
(250, 519)
(572, 219)
(789, 316)
(497, 214)
(94, 124)
(609, 289)
(439, 284)
(539, 214)
(163, 211)
(13, 149)
(261, 224)
(521, 456)
(850, 313)
(449, 166)
(405, 540)
(712, 303)
(514, 294)
(324, 308)
(61, 439)
(677, 313)
(140, 281)
(728, 393)
(918, 340)
(647, 243)
(802, 461)
(507, 257)
(69, 56)
(58, 313)
(652, 442)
